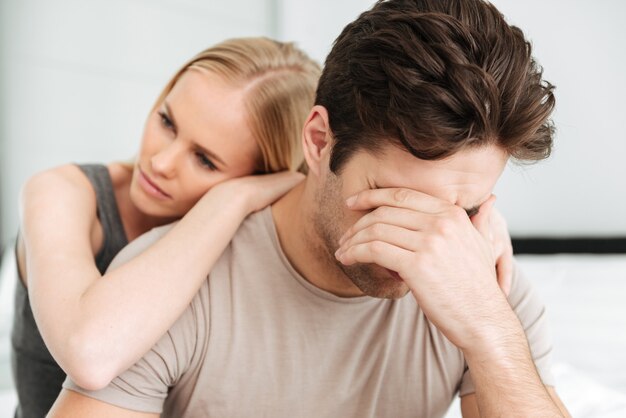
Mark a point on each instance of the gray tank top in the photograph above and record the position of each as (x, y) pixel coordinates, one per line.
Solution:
(114, 238)
(37, 376)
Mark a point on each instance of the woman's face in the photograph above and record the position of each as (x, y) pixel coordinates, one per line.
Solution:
(198, 137)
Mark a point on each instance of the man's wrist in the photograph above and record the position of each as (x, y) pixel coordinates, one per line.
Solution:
(496, 336)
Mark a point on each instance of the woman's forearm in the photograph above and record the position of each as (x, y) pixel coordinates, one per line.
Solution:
(130, 308)
(96, 326)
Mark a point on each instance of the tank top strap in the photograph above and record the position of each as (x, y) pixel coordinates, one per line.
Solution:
(114, 238)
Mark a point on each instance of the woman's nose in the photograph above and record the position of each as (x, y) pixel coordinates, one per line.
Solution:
(164, 162)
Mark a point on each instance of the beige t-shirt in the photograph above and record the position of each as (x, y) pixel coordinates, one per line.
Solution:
(259, 340)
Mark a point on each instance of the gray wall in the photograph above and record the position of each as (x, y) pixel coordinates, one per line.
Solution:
(78, 78)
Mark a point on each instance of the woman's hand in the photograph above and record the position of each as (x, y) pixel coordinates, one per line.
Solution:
(256, 192)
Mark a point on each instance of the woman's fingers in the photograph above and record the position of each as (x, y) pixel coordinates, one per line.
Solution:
(262, 190)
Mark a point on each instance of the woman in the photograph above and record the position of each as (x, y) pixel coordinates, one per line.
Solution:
(235, 109)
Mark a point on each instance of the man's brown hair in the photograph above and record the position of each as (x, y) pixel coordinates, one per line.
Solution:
(435, 77)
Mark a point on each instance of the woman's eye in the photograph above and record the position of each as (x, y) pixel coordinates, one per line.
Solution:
(204, 161)
(166, 121)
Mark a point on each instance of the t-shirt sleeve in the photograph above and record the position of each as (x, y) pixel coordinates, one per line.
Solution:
(532, 314)
(144, 386)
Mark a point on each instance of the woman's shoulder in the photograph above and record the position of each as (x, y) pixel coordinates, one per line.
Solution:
(71, 178)
(61, 183)
(66, 175)
(59, 197)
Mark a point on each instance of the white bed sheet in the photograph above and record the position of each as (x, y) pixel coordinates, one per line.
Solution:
(585, 296)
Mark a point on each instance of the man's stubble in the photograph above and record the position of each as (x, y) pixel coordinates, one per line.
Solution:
(330, 221)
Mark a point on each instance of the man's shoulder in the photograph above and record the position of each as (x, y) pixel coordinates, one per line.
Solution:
(256, 225)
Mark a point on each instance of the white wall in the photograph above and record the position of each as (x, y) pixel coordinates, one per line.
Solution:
(78, 78)
(581, 190)
(315, 28)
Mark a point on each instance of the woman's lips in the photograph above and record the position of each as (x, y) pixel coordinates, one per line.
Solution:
(151, 188)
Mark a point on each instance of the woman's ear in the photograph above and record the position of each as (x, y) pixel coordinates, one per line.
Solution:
(316, 139)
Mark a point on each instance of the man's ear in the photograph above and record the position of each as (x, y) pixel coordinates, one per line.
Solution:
(316, 139)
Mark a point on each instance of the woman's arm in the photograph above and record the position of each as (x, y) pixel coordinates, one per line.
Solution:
(94, 328)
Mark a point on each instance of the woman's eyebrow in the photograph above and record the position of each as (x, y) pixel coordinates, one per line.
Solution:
(170, 114)
(210, 154)
(200, 147)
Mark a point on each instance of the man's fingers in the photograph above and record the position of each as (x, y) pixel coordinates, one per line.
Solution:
(391, 234)
(482, 218)
(490, 223)
(504, 267)
(375, 252)
(396, 197)
(400, 217)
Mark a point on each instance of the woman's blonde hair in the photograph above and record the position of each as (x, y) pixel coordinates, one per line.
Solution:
(279, 81)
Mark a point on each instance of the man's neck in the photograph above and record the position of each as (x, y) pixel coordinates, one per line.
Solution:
(293, 218)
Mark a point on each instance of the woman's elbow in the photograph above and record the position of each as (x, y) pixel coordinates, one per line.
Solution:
(92, 380)
(90, 376)
(86, 365)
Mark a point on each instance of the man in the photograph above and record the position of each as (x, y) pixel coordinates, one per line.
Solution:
(369, 290)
